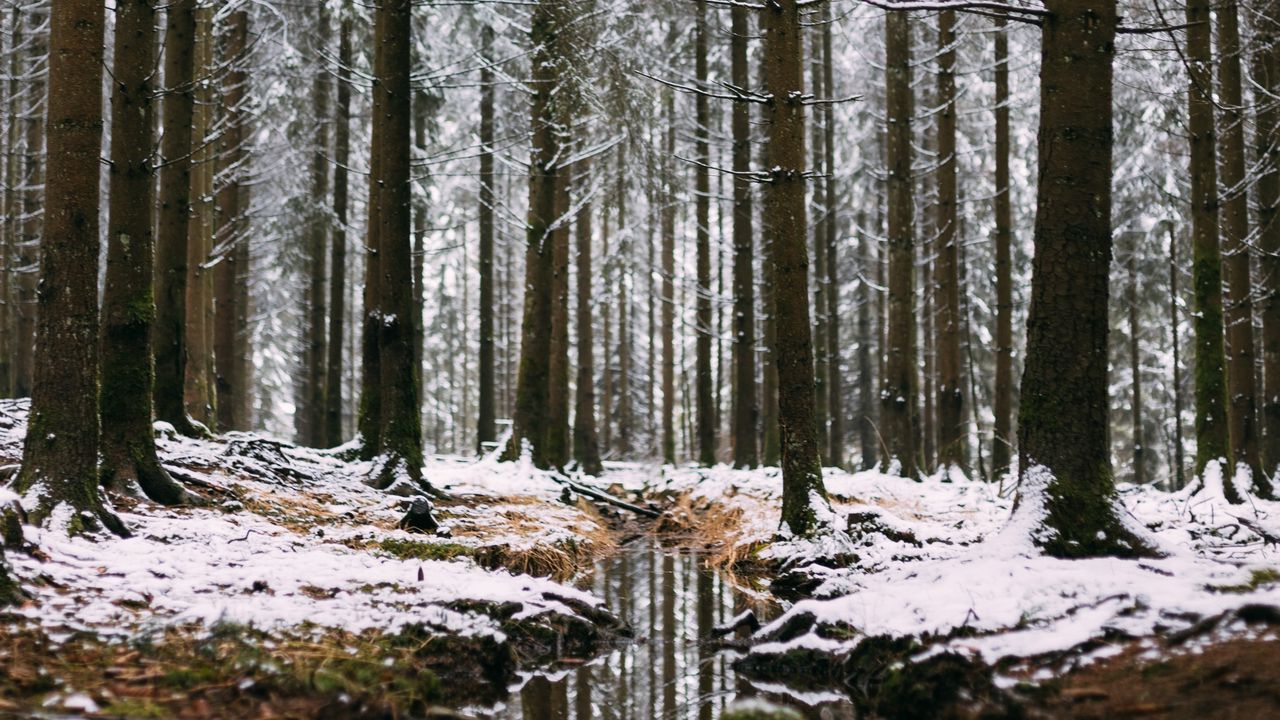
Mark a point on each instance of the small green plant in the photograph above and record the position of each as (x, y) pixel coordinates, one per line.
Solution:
(417, 550)
(1257, 579)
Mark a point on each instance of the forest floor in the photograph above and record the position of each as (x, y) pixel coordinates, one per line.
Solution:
(292, 593)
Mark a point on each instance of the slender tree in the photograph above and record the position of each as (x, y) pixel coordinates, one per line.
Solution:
(530, 418)
(835, 384)
(586, 446)
(199, 394)
(867, 439)
(29, 243)
(951, 441)
(60, 454)
(400, 430)
(1062, 427)
(1242, 410)
(311, 408)
(557, 450)
(822, 216)
(784, 206)
(745, 406)
(129, 460)
(1002, 439)
(668, 286)
(702, 199)
(899, 422)
(1267, 73)
(369, 416)
(485, 431)
(338, 247)
(169, 331)
(1135, 367)
(232, 249)
(1210, 370)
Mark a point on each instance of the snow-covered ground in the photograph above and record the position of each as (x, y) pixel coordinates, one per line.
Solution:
(293, 538)
(947, 560)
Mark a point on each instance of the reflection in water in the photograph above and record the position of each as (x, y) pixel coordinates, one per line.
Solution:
(672, 601)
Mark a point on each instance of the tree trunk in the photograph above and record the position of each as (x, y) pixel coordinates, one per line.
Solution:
(60, 455)
(668, 290)
(1211, 393)
(169, 334)
(530, 418)
(770, 443)
(12, 235)
(1180, 480)
(745, 407)
(198, 388)
(338, 250)
(485, 432)
(1002, 440)
(867, 440)
(230, 232)
(1064, 454)
(129, 461)
(1135, 368)
(899, 423)
(1242, 410)
(822, 174)
(951, 436)
(586, 446)
(311, 409)
(369, 420)
(1267, 73)
(401, 431)
(557, 428)
(802, 487)
(702, 198)
(835, 385)
(29, 247)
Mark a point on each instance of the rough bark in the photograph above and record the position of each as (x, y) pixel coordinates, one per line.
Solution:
(129, 461)
(169, 334)
(338, 248)
(899, 422)
(231, 259)
(745, 408)
(835, 384)
(557, 450)
(369, 415)
(1063, 422)
(1002, 438)
(1210, 371)
(309, 423)
(1242, 408)
(11, 234)
(702, 197)
(400, 425)
(60, 454)
(485, 431)
(530, 417)
(822, 216)
(668, 290)
(784, 205)
(1267, 74)
(1179, 472)
(29, 244)
(951, 440)
(586, 445)
(199, 395)
(1135, 369)
(867, 441)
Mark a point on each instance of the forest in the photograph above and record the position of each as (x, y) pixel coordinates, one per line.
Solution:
(738, 359)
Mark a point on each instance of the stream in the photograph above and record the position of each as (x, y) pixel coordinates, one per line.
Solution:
(672, 601)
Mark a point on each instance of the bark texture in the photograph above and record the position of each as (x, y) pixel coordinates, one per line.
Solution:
(802, 487)
(1062, 431)
(745, 407)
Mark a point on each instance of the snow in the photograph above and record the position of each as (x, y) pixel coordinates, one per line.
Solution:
(937, 557)
(291, 540)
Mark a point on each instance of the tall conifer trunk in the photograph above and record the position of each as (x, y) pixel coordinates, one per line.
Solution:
(1062, 428)
(485, 430)
(129, 461)
(60, 454)
(745, 406)
(1002, 440)
(169, 334)
(784, 206)
(338, 250)
(232, 240)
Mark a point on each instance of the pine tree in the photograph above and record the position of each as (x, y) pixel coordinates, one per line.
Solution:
(311, 407)
(702, 199)
(485, 431)
(169, 333)
(199, 396)
(338, 248)
(746, 409)
(60, 454)
(1002, 440)
(1267, 74)
(1062, 427)
(232, 236)
(129, 460)
(899, 419)
(785, 208)
(951, 443)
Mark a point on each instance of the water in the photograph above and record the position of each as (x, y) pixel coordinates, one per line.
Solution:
(672, 602)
